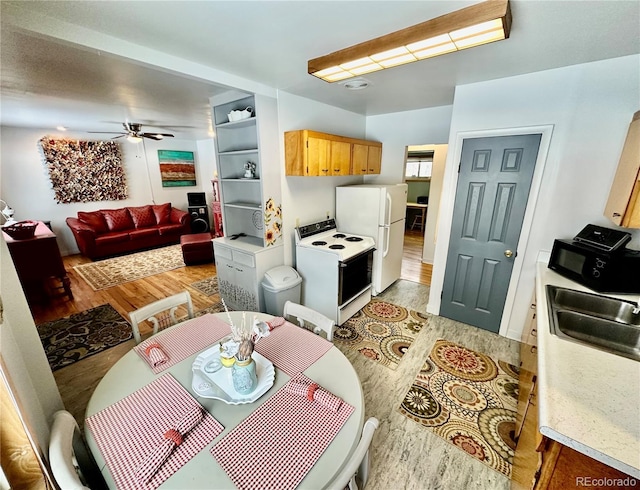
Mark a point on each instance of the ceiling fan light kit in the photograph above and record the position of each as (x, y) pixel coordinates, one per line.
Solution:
(478, 24)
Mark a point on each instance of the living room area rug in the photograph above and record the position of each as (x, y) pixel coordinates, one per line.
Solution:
(107, 273)
(83, 334)
(468, 399)
(207, 286)
(381, 331)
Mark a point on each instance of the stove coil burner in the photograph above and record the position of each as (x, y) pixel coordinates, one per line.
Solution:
(319, 243)
(354, 239)
(337, 246)
(339, 235)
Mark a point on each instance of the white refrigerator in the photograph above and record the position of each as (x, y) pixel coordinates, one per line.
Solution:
(378, 211)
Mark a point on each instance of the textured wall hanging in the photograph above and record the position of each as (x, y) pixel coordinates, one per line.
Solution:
(84, 171)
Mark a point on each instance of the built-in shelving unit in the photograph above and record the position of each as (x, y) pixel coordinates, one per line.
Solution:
(251, 207)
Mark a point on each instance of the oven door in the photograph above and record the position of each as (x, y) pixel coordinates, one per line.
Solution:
(354, 276)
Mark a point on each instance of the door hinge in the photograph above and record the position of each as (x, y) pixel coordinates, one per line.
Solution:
(441, 293)
(459, 165)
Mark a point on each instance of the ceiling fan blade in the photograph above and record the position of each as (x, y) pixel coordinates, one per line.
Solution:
(106, 132)
(156, 136)
(121, 136)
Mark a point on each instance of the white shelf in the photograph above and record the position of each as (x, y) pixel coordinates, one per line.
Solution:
(239, 152)
(243, 205)
(244, 123)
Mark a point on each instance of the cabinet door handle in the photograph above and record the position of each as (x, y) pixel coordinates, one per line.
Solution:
(325, 169)
(534, 332)
(336, 170)
(229, 266)
(533, 349)
(616, 215)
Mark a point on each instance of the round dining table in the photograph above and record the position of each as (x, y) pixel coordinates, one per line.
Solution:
(332, 371)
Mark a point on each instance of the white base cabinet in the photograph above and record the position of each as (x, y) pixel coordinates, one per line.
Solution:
(240, 267)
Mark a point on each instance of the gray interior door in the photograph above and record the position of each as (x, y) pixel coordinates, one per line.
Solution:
(493, 188)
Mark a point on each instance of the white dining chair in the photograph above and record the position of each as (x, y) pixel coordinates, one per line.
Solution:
(309, 319)
(356, 472)
(161, 313)
(62, 459)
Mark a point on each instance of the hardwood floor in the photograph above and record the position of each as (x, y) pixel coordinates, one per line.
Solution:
(413, 269)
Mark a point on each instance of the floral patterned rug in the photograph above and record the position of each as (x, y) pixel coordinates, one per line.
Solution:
(83, 334)
(208, 286)
(468, 399)
(118, 270)
(381, 331)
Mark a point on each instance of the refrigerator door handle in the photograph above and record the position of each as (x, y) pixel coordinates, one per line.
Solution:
(387, 232)
(387, 220)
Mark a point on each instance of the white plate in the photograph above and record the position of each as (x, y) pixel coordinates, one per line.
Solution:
(219, 385)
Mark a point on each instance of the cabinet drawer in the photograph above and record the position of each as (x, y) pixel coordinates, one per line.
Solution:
(222, 252)
(244, 258)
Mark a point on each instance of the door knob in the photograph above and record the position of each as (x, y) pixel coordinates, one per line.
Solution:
(508, 254)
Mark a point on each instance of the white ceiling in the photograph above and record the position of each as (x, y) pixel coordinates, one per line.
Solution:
(91, 65)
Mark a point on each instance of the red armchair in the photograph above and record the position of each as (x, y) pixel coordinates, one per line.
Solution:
(109, 232)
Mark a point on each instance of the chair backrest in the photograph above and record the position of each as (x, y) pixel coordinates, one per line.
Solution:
(309, 319)
(356, 471)
(61, 456)
(161, 313)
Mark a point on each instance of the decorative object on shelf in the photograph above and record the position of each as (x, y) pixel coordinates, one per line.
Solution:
(84, 171)
(21, 230)
(256, 218)
(240, 115)
(250, 170)
(272, 222)
(177, 168)
(7, 214)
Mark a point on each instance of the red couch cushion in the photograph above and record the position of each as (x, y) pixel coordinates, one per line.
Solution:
(142, 216)
(163, 213)
(118, 219)
(111, 238)
(143, 233)
(94, 219)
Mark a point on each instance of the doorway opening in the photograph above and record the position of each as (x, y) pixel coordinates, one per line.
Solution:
(423, 171)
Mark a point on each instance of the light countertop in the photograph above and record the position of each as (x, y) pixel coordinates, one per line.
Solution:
(588, 399)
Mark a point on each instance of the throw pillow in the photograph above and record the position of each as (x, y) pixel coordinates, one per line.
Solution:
(118, 219)
(142, 216)
(94, 219)
(163, 213)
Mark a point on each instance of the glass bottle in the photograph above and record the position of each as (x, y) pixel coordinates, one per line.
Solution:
(243, 374)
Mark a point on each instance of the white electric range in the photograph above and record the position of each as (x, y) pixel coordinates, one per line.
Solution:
(335, 267)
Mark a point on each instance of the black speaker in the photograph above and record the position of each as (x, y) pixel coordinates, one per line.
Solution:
(196, 199)
(199, 219)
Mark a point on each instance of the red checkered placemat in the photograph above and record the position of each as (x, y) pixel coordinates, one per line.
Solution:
(130, 429)
(292, 349)
(184, 340)
(276, 446)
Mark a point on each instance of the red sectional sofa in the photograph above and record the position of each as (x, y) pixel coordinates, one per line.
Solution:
(109, 232)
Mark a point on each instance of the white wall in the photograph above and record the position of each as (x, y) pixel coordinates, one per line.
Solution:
(401, 129)
(26, 186)
(309, 199)
(590, 107)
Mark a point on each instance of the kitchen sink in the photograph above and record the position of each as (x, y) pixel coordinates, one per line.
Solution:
(610, 324)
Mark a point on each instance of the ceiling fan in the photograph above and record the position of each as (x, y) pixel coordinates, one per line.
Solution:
(133, 132)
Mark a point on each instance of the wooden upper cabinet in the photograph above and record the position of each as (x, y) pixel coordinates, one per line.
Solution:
(623, 205)
(367, 159)
(311, 153)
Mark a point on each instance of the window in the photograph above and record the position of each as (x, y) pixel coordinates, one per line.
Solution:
(419, 164)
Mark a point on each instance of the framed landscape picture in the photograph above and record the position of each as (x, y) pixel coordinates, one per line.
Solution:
(177, 168)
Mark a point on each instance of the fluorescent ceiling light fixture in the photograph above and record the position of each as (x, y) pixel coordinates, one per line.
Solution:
(478, 24)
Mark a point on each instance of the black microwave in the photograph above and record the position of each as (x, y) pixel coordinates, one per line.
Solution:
(615, 271)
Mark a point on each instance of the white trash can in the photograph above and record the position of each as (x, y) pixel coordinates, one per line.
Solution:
(280, 284)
